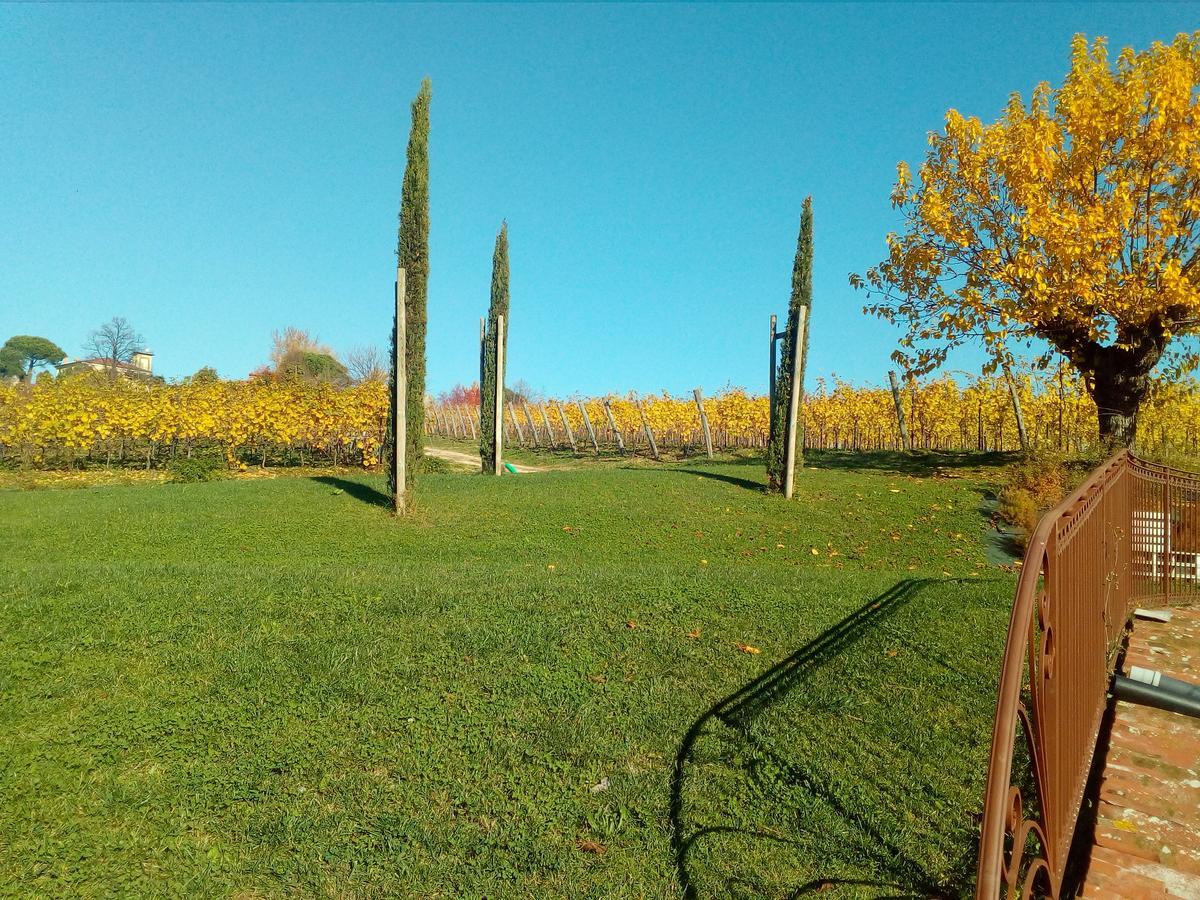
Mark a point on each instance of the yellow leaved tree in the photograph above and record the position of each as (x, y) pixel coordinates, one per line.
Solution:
(1074, 220)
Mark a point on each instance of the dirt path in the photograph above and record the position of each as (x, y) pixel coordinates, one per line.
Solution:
(472, 460)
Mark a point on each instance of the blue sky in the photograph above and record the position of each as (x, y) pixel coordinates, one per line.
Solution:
(215, 172)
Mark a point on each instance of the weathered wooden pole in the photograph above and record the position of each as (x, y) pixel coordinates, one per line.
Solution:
(587, 423)
(400, 402)
(517, 425)
(541, 408)
(612, 423)
(646, 426)
(498, 416)
(537, 442)
(1022, 435)
(562, 414)
(703, 422)
(905, 442)
(793, 420)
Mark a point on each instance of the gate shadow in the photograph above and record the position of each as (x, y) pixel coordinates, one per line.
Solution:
(848, 822)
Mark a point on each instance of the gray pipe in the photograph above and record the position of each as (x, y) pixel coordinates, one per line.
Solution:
(1150, 688)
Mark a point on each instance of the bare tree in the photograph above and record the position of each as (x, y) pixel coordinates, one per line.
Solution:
(292, 342)
(115, 341)
(366, 364)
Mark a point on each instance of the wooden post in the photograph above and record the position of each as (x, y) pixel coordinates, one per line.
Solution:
(562, 414)
(982, 438)
(587, 422)
(470, 417)
(498, 418)
(703, 422)
(646, 426)
(771, 381)
(903, 423)
(541, 408)
(537, 442)
(612, 423)
(400, 401)
(793, 421)
(1022, 435)
(517, 425)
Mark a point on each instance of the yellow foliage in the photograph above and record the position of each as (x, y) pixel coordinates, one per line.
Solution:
(1072, 219)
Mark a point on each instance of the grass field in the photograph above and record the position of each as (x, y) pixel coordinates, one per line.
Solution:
(603, 682)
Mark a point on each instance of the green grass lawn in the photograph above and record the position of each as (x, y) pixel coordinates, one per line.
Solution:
(536, 687)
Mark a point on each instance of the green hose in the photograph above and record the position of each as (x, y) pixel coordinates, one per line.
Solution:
(511, 468)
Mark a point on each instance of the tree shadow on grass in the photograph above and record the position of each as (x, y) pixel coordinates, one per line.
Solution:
(923, 463)
(852, 764)
(356, 489)
(735, 480)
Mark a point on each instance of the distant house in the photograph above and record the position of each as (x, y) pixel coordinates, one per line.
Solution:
(140, 365)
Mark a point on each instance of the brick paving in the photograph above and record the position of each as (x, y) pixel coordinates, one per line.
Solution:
(1147, 841)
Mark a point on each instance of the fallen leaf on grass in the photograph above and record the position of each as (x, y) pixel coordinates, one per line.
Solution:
(551, 567)
(631, 624)
(591, 847)
(601, 785)
(597, 679)
(695, 633)
(746, 648)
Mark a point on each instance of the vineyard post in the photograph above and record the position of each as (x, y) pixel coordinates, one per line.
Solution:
(1022, 436)
(537, 442)
(703, 422)
(498, 415)
(587, 422)
(793, 420)
(982, 438)
(517, 425)
(612, 423)
(562, 414)
(400, 409)
(541, 408)
(646, 426)
(905, 442)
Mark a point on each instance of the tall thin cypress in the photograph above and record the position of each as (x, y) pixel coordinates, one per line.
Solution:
(412, 251)
(487, 383)
(801, 297)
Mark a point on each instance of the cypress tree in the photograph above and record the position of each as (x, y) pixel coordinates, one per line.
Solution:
(412, 253)
(487, 383)
(801, 297)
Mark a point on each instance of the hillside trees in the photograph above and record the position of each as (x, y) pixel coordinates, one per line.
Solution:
(22, 353)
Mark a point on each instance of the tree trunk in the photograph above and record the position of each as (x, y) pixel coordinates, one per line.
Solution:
(1118, 396)
(1117, 375)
